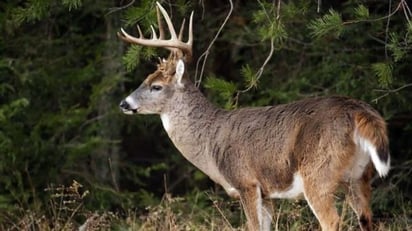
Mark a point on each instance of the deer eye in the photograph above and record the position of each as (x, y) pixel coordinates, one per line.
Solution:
(156, 88)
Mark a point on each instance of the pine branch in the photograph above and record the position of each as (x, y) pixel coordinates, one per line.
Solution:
(131, 59)
(384, 73)
(331, 23)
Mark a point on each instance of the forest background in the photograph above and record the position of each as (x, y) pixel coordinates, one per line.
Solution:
(69, 158)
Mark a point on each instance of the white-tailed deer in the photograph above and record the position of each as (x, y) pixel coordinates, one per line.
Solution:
(310, 147)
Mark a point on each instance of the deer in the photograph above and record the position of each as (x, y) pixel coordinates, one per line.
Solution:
(307, 149)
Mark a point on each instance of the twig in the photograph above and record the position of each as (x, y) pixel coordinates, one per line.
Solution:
(319, 5)
(387, 29)
(406, 11)
(387, 92)
(220, 211)
(202, 2)
(113, 175)
(114, 9)
(259, 73)
(206, 53)
(278, 10)
(278, 218)
(74, 212)
(398, 7)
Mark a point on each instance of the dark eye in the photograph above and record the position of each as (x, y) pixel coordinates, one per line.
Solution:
(155, 88)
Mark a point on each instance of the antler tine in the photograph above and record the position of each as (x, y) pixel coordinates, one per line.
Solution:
(140, 32)
(161, 28)
(190, 40)
(160, 24)
(168, 21)
(182, 28)
(125, 36)
(154, 35)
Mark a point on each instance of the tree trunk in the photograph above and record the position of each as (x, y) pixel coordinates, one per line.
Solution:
(105, 159)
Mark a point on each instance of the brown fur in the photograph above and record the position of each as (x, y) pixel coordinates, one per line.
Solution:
(164, 72)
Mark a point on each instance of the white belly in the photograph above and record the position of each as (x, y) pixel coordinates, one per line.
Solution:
(295, 189)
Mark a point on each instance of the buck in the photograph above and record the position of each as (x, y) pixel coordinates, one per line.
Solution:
(308, 148)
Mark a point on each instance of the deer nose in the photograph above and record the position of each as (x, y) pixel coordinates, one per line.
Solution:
(124, 105)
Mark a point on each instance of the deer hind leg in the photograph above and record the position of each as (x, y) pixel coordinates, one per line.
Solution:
(258, 213)
(320, 198)
(358, 194)
(267, 213)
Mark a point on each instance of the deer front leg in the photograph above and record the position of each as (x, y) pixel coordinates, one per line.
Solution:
(258, 214)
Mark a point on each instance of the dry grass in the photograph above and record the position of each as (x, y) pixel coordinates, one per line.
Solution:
(209, 212)
(65, 208)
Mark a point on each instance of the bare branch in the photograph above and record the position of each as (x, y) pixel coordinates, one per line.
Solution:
(259, 73)
(114, 9)
(206, 53)
(388, 21)
(319, 5)
(390, 91)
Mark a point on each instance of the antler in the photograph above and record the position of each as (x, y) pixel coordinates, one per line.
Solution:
(174, 44)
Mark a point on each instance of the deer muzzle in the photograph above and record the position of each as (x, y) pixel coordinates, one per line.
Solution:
(127, 108)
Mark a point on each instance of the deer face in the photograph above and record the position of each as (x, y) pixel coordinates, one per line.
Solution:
(157, 90)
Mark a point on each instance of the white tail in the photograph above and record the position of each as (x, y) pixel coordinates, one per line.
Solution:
(381, 166)
(309, 147)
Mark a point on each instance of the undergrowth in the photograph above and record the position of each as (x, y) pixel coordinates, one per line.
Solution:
(200, 211)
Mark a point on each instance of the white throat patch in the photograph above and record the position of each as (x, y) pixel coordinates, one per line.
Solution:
(165, 121)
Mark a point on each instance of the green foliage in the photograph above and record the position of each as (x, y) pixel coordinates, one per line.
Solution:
(395, 46)
(361, 12)
(72, 4)
(268, 26)
(330, 24)
(132, 57)
(8, 111)
(275, 31)
(225, 89)
(52, 92)
(409, 32)
(249, 76)
(143, 14)
(384, 73)
(32, 11)
(292, 9)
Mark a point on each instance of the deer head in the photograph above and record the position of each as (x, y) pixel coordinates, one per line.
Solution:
(159, 87)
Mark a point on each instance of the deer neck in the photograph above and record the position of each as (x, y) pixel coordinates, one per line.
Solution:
(188, 120)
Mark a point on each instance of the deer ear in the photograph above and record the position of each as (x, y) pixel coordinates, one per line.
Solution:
(180, 70)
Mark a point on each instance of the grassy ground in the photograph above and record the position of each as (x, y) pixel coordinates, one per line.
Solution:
(203, 211)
